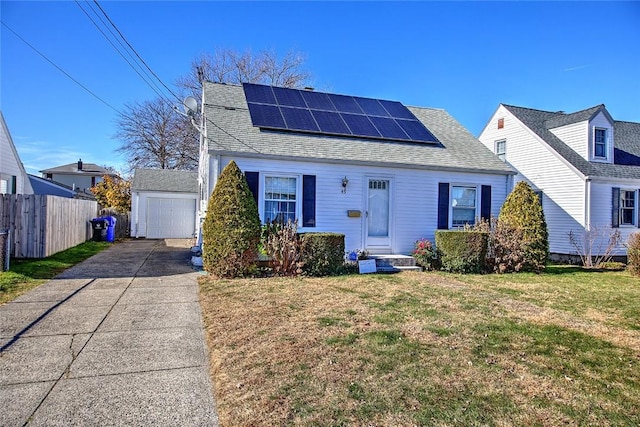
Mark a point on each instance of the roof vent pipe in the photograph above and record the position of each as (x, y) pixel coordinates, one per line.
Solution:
(80, 164)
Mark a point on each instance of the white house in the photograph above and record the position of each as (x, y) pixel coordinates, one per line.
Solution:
(586, 166)
(79, 176)
(13, 177)
(383, 174)
(163, 203)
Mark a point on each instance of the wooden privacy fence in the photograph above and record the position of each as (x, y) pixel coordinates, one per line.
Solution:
(40, 226)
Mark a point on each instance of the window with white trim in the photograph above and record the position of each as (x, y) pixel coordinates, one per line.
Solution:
(280, 198)
(627, 207)
(600, 143)
(463, 205)
(501, 149)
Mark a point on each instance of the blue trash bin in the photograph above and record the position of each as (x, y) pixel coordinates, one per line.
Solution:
(111, 228)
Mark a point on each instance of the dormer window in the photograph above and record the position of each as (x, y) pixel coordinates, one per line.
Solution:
(600, 143)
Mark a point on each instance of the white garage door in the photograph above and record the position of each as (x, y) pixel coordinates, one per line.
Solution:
(170, 218)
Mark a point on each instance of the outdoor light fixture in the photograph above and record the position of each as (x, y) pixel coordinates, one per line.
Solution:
(345, 181)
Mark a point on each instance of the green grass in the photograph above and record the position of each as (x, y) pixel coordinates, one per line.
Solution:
(26, 274)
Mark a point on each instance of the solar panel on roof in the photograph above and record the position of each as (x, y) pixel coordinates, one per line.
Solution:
(318, 101)
(330, 122)
(299, 119)
(289, 97)
(332, 114)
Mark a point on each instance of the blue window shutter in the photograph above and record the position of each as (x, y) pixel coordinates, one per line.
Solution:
(253, 180)
(615, 210)
(443, 206)
(635, 203)
(308, 200)
(485, 202)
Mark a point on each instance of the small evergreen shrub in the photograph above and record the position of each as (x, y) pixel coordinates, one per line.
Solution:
(633, 254)
(282, 246)
(231, 228)
(425, 255)
(521, 218)
(322, 253)
(462, 251)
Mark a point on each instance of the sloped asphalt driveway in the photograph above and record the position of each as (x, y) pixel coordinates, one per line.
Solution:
(115, 340)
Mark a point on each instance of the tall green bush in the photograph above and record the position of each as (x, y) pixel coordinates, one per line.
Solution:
(521, 215)
(231, 228)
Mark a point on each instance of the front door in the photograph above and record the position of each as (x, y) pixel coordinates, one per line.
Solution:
(378, 236)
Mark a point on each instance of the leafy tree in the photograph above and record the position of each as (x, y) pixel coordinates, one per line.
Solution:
(231, 228)
(521, 215)
(113, 192)
(153, 135)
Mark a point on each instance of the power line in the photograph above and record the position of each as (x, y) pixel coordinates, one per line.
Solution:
(134, 51)
(149, 82)
(60, 69)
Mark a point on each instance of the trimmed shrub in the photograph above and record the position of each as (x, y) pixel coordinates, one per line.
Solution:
(322, 253)
(633, 254)
(425, 255)
(231, 229)
(521, 217)
(462, 251)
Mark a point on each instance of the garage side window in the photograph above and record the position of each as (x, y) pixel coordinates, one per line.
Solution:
(280, 198)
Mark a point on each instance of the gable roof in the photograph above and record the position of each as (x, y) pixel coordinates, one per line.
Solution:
(626, 141)
(72, 169)
(4, 130)
(230, 132)
(47, 187)
(167, 180)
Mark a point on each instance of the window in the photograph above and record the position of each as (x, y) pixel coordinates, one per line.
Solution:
(627, 207)
(280, 198)
(600, 143)
(463, 206)
(501, 149)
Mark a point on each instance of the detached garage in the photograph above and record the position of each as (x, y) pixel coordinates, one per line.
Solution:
(163, 203)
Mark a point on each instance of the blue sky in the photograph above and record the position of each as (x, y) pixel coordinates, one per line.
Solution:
(464, 57)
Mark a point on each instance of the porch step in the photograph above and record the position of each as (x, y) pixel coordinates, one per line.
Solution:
(394, 263)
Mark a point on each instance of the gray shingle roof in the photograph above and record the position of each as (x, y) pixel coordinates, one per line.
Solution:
(626, 141)
(72, 168)
(230, 132)
(172, 181)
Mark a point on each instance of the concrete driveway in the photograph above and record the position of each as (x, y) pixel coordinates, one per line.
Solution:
(115, 340)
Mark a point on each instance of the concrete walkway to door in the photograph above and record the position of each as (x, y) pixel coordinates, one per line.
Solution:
(115, 340)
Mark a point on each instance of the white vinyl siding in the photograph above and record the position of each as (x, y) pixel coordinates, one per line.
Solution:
(576, 136)
(12, 173)
(601, 208)
(414, 199)
(563, 188)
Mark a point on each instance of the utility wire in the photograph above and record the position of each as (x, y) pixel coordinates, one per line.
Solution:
(60, 69)
(135, 52)
(147, 80)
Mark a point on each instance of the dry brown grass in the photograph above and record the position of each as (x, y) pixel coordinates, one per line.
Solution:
(411, 349)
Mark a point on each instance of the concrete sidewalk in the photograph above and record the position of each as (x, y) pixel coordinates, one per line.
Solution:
(115, 340)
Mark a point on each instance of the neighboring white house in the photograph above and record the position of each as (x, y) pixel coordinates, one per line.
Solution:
(163, 203)
(13, 177)
(79, 176)
(382, 174)
(585, 165)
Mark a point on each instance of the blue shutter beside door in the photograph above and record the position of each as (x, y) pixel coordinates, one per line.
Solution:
(485, 202)
(443, 206)
(308, 200)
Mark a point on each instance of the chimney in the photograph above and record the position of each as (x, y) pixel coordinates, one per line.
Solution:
(80, 164)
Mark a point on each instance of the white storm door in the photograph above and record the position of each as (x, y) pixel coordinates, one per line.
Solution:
(378, 214)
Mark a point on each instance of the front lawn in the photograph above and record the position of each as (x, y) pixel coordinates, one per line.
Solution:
(26, 274)
(426, 349)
